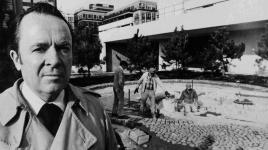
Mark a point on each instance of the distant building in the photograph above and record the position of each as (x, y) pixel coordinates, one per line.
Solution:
(135, 13)
(14, 5)
(29, 3)
(69, 18)
(93, 15)
(12, 8)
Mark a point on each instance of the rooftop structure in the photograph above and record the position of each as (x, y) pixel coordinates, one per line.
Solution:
(29, 3)
(135, 13)
(101, 7)
(93, 15)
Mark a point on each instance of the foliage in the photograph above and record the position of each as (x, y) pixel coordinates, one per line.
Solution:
(263, 44)
(86, 47)
(220, 50)
(142, 52)
(175, 50)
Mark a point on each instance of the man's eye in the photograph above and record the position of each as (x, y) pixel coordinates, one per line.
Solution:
(39, 49)
(65, 49)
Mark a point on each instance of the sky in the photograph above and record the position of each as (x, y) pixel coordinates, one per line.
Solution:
(69, 6)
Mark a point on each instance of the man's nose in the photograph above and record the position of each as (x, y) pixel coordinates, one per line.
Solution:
(52, 57)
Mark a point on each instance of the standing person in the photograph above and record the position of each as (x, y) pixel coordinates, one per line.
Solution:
(43, 111)
(189, 99)
(149, 82)
(118, 88)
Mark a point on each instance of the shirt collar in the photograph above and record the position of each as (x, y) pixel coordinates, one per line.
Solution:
(36, 102)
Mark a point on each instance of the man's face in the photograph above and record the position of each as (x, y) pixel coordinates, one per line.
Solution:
(188, 86)
(45, 49)
(152, 71)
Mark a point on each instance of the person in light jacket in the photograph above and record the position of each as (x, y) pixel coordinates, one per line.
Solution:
(149, 83)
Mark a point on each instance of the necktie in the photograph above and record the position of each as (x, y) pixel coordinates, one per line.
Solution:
(50, 115)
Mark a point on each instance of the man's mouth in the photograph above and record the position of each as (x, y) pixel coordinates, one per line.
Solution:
(54, 75)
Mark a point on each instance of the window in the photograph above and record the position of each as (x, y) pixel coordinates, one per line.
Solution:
(148, 16)
(69, 19)
(153, 16)
(142, 5)
(84, 16)
(136, 18)
(142, 17)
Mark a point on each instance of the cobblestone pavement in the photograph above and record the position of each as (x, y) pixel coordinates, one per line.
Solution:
(226, 137)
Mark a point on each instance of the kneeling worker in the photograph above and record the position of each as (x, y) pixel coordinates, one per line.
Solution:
(188, 99)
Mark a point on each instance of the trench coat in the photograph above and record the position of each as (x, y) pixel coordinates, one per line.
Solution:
(84, 125)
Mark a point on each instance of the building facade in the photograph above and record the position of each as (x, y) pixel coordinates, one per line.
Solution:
(70, 18)
(12, 8)
(135, 13)
(14, 5)
(245, 19)
(92, 16)
(28, 3)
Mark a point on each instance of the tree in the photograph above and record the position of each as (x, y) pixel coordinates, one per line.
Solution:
(220, 50)
(176, 49)
(263, 44)
(142, 52)
(8, 72)
(87, 47)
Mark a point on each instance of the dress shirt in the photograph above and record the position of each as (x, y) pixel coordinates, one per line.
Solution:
(36, 102)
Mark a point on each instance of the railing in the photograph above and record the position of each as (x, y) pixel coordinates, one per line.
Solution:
(184, 6)
(174, 9)
(187, 5)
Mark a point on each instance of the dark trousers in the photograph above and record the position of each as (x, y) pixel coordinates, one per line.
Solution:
(118, 106)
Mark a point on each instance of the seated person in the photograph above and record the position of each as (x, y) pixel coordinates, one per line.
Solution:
(188, 100)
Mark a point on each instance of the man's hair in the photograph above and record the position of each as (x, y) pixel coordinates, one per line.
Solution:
(123, 63)
(39, 8)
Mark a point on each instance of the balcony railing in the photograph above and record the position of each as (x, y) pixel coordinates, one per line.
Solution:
(187, 5)
(183, 6)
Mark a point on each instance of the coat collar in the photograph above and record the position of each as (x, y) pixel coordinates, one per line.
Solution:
(12, 104)
(11, 100)
(81, 96)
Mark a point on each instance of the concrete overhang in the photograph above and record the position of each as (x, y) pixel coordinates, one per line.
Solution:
(236, 14)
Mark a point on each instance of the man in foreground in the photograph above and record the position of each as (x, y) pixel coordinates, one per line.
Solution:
(149, 82)
(42, 110)
(118, 87)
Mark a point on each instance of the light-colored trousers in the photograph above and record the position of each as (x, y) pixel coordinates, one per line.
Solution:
(189, 107)
(118, 106)
(144, 96)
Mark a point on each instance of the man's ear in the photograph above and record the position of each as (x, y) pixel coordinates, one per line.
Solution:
(16, 59)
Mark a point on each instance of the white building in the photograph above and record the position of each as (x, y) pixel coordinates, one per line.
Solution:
(244, 18)
(70, 18)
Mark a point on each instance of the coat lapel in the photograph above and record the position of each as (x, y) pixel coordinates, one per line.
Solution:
(40, 141)
(72, 134)
(14, 131)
